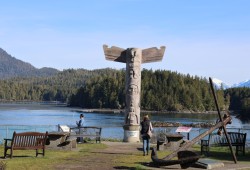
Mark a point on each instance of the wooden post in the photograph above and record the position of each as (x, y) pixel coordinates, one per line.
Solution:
(219, 114)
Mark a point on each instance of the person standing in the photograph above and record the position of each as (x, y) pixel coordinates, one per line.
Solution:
(146, 131)
(80, 122)
(81, 130)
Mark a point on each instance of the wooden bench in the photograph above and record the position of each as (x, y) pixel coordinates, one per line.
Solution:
(26, 141)
(237, 139)
(86, 132)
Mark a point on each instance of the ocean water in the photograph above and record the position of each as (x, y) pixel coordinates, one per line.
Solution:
(35, 117)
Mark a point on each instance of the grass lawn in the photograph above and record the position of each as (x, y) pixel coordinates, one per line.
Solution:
(224, 154)
(137, 161)
(26, 159)
(92, 153)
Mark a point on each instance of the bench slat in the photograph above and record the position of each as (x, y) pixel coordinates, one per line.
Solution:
(86, 131)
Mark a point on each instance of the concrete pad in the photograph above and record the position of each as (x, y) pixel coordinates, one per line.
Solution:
(208, 164)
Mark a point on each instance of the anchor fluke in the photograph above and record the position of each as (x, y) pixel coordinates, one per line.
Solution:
(185, 159)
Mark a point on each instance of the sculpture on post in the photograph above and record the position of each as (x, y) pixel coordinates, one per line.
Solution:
(133, 57)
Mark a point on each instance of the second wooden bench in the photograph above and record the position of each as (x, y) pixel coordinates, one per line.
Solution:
(86, 132)
(237, 139)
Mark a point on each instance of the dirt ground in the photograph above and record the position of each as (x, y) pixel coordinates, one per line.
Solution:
(106, 159)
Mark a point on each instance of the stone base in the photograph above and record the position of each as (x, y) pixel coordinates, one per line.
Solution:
(67, 145)
(131, 133)
(57, 140)
(208, 164)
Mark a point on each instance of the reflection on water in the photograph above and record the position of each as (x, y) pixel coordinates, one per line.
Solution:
(110, 122)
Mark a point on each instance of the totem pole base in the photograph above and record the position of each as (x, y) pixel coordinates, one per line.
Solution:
(131, 133)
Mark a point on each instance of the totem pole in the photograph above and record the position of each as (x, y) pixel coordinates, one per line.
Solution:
(133, 57)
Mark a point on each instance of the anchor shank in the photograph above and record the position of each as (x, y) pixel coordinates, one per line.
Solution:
(219, 114)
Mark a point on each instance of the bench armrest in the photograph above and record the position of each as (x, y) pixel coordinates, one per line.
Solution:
(6, 141)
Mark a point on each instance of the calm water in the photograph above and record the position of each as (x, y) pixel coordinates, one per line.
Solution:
(49, 116)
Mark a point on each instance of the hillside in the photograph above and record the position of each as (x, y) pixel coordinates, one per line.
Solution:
(11, 67)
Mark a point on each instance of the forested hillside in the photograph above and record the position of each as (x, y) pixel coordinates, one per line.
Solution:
(239, 100)
(59, 87)
(161, 90)
(11, 67)
(105, 88)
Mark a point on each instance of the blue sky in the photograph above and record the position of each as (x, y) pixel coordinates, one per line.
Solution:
(209, 38)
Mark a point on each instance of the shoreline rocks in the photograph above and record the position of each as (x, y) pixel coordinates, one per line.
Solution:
(177, 124)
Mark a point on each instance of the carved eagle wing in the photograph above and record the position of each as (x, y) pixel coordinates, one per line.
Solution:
(152, 54)
(115, 54)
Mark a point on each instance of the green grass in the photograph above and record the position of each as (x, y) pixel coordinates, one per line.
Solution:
(136, 161)
(224, 154)
(112, 140)
(26, 159)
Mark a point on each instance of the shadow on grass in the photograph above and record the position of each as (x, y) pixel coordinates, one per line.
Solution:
(125, 167)
(152, 165)
(112, 153)
(21, 156)
(227, 156)
(141, 149)
(221, 155)
(148, 165)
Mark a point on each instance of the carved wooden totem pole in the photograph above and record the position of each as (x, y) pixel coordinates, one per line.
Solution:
(133, 57)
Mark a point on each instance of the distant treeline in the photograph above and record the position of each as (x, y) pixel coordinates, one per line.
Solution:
(161, 90)
(239, 100)
(105, 88)
(59, 87)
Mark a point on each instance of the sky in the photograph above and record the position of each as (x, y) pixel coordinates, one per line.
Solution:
(208, 38)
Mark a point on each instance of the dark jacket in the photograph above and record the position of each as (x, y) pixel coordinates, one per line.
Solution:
(145, 126)
(80, 123)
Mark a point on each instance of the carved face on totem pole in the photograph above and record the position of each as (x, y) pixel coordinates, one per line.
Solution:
(133, 82)
(131, 117)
